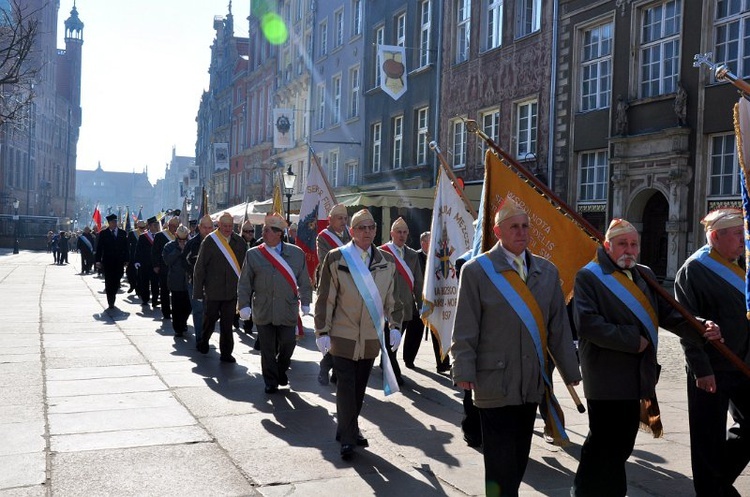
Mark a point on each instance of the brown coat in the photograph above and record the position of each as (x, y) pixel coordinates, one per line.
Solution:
(213, 276)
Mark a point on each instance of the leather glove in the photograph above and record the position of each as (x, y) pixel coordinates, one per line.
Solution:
(246, 313)
(324, 343)
(305, 310)
(395, 339)
(137, 265)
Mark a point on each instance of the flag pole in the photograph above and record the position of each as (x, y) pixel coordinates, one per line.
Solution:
(322, 173)
(563, 207)
(434, 146)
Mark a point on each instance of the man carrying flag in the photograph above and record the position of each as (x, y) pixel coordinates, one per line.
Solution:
(355, 298)
(617, 316)
(510, 307)
(273, 283)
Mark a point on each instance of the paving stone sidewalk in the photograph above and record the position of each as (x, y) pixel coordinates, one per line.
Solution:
(112, 404)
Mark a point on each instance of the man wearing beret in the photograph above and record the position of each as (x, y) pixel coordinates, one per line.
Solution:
(355, 298)
(617, 316)
(217, 270)
(408, 290)
(160, 267)
(510, 313)
(148, 280)
(273, 283)
(334, 236)
(711, 284)
(111, 257)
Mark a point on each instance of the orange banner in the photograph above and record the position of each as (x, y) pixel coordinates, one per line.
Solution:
(552, 235)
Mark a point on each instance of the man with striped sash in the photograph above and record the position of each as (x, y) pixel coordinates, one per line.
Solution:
(217, 270)
(617, 316)
(711, 285)
(273, 283)
(510, 317)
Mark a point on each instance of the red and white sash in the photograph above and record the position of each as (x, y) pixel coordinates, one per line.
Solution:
(401, 266)
(332, 238)
(286, 271)
(149, 237)
(223, 245)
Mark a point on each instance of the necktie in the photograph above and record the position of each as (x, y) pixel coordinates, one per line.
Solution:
(364, 257)
(518, 263)
(400, 251)
(628, 274)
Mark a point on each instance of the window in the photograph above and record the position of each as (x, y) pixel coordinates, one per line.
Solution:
(338, 23)
(732, 28)
(333, 168)
(354, 92)
(593, 167)
(323, 38)
(724, 176)
(492, 24)
(660, 48)
(336, 100)
(459, 144)
(401, 30)
(490, 122)
(526, 128)
(528, 17)
(351, 174)
(376, 147)
(596, 70)
(422, 143)
(424, 33)
(356, 17)
(398, 140)
(463, 29)
(321, 106)
(379, 40)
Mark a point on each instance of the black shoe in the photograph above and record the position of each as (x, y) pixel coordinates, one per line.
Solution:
(323, 377)
(179, 334)
(474, 442)
(202, 347)
(400, 381)
(334, 379)
(361, 440)
(270, 389)
(347, 452)
(443, 369)
(283, 380)
(409, 365)
(227, 358)
(131, 289)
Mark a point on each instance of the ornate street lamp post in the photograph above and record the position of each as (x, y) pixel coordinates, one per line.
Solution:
(17, 221)
(289, 180)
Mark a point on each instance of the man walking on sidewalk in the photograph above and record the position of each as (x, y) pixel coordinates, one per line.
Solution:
(111, 257)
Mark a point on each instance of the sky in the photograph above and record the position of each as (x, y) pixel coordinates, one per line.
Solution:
(144, 68)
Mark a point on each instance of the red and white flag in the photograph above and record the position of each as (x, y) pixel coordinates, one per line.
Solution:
(97, 217)
(313, 214)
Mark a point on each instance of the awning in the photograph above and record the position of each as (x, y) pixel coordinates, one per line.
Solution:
(421, 198)
(254, 215)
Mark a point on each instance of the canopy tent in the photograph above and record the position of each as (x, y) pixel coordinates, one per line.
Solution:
(238, 213)
(421, 198)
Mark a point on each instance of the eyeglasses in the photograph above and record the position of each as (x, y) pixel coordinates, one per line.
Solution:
(247, 231)
(370, 227)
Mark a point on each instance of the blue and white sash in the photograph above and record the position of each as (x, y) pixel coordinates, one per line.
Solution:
(367, 288)
(86, 242)
(734, 278)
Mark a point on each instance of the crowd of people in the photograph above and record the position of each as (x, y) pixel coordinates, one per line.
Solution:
(512, 326)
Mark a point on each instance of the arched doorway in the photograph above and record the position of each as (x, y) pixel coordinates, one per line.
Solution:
(654, 237)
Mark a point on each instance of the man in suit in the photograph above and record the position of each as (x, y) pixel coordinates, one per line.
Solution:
(190, 253)
(273, 282)
(217, 270)
(112, 257)
(499, 349)
(334, 236)
(160, 267)
(132, 270)
(148, 279)
(407, 290)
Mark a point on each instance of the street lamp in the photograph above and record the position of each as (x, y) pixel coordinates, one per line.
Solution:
(16, 203)
(289, 179)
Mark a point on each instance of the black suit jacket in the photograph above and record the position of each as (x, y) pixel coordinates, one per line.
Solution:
(112, 251)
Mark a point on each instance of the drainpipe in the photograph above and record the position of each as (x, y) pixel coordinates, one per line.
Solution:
(552, 98)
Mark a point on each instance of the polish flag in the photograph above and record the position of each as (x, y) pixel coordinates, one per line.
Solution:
(97, 217)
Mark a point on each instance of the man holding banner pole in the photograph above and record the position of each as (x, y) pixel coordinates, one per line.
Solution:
(510, 312)
(617, 315)
(355, 299)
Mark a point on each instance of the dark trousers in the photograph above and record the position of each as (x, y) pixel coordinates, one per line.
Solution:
(441, 364)
(180, 311)
(112, 277)
(350, 394)
(506, 435)
(222, 311)
(148, 284)
(613, 426)
(413, 333)
(277, 345)
(718, 457)
(132, 273)
(166, 307)
(471, 425)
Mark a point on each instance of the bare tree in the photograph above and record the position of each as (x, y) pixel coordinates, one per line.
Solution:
(19, 27)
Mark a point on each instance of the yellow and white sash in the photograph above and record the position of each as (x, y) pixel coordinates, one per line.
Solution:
(168, 234)
(223, 245)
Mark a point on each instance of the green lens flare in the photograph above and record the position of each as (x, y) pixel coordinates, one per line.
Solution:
(274, 28)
